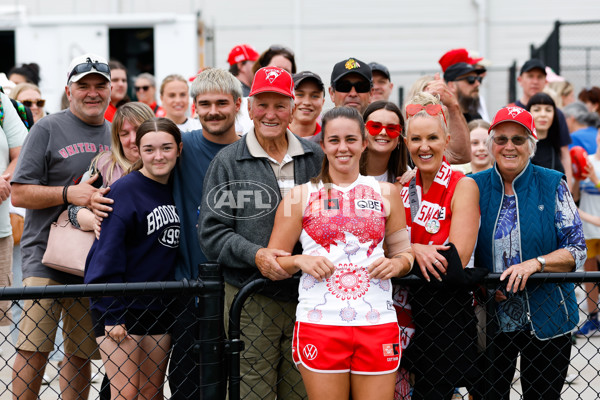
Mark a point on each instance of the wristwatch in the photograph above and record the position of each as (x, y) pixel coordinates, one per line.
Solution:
(542, 261)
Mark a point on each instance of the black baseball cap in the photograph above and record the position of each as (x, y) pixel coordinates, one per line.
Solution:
(534, 63)
(381, 68)
(351, 66)
(304, 75)
(459, 69)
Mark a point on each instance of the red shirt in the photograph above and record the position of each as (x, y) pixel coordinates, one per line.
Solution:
(110, 112)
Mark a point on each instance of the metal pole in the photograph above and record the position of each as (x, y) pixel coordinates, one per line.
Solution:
(236, 345)
(211, 340)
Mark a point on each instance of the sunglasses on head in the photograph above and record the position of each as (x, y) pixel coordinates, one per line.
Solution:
(87, 66)
(142, 88)
(471, 79)
(28, 103)
(517, 140)
(346, 86)
(392, 130)
(431, 109)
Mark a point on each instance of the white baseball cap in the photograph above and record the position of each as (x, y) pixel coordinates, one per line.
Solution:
(87, 64)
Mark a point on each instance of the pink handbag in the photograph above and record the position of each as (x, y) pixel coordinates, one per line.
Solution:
(67, 247)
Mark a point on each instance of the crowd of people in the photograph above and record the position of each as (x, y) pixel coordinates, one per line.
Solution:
(257, 177)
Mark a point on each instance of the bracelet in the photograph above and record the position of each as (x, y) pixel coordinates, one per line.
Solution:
(65, 189)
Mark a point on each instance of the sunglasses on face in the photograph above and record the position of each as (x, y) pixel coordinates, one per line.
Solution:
(346, 86)
(471, 79)
(87, 66)
(431, 109)
(142, 88)
(392, 130)
(28, 103)
(517, 140)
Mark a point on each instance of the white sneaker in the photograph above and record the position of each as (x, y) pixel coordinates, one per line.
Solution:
(46, 380)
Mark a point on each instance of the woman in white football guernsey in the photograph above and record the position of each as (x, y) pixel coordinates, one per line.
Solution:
(354, 239)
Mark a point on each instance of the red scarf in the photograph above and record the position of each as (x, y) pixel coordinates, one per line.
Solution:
(432, 221)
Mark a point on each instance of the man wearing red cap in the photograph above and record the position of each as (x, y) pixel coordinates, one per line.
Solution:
(247, 180)
(466, 92)
(241, 58)
(457, 56)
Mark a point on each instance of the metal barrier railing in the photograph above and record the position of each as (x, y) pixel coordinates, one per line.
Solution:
(219, 357)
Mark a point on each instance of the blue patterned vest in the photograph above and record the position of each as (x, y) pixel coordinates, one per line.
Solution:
(552, 308)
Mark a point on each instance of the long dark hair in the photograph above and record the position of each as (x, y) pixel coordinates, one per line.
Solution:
(334, 113)
(399, 158)
(155, 125)
(554, 130)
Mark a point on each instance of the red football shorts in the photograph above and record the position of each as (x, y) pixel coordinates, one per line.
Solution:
(365, 350)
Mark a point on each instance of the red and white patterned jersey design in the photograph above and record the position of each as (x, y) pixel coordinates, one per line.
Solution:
(346, 225)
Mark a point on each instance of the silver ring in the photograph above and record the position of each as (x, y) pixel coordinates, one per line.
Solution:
(436, 262)
(519, 276)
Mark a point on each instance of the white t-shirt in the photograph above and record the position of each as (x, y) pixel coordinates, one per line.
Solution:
(190, 124)
(12, 134)
(243, 123)
(590, 202)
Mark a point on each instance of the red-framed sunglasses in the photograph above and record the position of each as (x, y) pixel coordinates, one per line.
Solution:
(392, 130)
(431, 109)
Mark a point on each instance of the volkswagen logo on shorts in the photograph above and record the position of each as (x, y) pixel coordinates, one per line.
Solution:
(229, 198)
(310, 352)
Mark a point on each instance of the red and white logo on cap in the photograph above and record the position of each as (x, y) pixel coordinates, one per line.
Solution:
(271, 74)
(514, 111)
(273, 79)
(515, 114)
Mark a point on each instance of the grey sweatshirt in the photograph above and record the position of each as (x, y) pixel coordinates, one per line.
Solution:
(239, 200)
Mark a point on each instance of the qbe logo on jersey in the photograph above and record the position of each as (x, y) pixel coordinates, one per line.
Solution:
(310, 352)
(368, 204)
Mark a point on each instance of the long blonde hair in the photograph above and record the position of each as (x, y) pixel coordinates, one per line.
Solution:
(136, 113)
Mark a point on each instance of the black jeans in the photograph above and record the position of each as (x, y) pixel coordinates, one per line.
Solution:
(544, 365)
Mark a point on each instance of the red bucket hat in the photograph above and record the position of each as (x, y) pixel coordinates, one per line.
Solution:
(273, 79)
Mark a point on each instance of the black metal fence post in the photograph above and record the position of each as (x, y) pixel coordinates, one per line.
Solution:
(235, 344)
(211, 339)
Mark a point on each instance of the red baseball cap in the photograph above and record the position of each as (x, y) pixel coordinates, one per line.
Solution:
(457, 56)
(242, 52)
(273, 79)
(515, 114)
